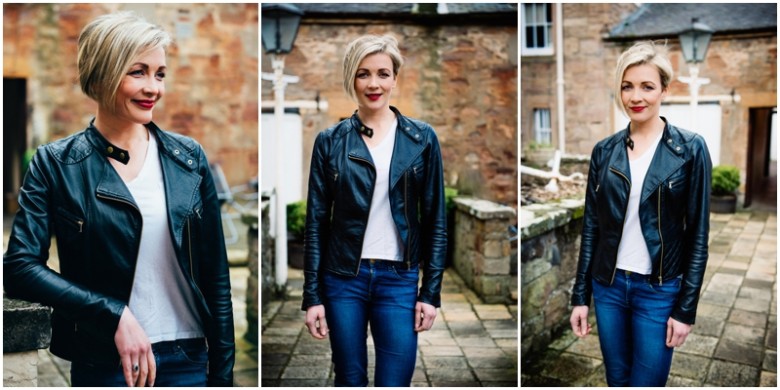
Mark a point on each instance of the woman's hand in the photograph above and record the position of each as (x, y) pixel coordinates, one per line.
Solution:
(315, 321)
(579, 321)
(676, 333)
(424, 314)
(135, 351)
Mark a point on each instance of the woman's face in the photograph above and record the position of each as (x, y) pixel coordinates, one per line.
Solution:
(641, 92)
(141, 87)
(374, 81)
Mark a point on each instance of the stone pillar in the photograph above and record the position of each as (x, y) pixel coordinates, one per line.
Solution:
(250, 219)
(482, 248)
(267, 268)
(26, 329)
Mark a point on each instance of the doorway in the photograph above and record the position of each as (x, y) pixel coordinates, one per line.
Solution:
(14, 139)
(761, 180)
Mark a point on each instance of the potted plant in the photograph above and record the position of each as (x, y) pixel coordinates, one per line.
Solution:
(725, 181)
(539, 153)
(296, 225)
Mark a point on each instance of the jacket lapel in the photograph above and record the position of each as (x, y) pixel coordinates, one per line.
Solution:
(408, 145)
(666, 161)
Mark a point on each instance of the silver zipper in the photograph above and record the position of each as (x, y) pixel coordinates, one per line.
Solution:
(614, 271)
(81, 225)
(670, 184)
(660, 234)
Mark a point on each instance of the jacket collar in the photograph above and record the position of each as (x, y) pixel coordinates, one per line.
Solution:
(666, 160)
(408, 144)
(104, 147)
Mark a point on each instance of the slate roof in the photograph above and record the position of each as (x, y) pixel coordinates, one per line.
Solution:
(406, 11)
(665, 19)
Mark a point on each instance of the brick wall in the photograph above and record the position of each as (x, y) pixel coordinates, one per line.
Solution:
(211, 85)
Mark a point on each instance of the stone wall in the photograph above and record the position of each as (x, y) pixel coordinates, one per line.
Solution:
(211, 83)
(550, 241)
(462, 79)
(483, 249)
(26, 329)
(267, 269)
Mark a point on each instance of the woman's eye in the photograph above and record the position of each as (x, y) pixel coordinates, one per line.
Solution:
(384, 75)
(160, 75)
(137, 72)
(362, 75)
(625, 87)
(649, 88)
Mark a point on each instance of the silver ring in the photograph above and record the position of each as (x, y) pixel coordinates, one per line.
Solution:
(135, 367)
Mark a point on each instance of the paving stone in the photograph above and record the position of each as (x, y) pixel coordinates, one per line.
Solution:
(771, 336)
(500, 324)
(739, 352)
(484, 342)
(300, 383)
(506, 343)
(744, 334)
(759, 284)
(732, 375)
(706, 326)
(768, 379)
(717, 298)
(770, 361)
(451, 316)
(713, 311)
(690, 366)
(450, 374)
(436, 341)
(466, 383)
(699, 345)
(748, 318)
(420, 384)
(564, 341)
(496, 374)
(492, 312)
(307, 372)
(588, 346)
(752, 305)
(570, 367)
(445, 361)
(502, 333)
(309, 360)
(500, 384)
(441, 351)
(271, 372)
(678, 381)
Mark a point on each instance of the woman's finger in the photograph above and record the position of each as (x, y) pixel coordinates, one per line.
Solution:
(152, 368)
(127, 369)
(142, 370)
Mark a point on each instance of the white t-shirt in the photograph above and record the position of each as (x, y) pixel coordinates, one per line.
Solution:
(382, 240)
(161, 300)
(632, 252)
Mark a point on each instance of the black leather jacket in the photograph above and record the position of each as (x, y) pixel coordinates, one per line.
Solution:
(72, 191)
(674, 213)
(341, 185)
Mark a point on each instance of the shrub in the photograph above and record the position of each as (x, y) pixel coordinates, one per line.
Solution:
(296, 218)
(725, 180)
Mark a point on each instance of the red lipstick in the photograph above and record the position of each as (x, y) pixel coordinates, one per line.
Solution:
(637, 109)
(147, 104)
(374, 97)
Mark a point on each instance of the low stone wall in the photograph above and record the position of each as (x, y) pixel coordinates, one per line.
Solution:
(550, 241)
(267, 269)
(483, 250)
(26, 329)
(250, 219)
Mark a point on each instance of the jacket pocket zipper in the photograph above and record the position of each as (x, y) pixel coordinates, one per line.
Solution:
(189, 255)
(661, 235)
(72, 219)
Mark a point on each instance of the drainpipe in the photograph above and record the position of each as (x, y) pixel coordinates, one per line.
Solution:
(560, 80)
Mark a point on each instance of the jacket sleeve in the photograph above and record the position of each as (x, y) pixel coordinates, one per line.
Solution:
(581, 293)
(433, 216)
(318, 213)
(25, 273)
(215, 284)
(697, 233)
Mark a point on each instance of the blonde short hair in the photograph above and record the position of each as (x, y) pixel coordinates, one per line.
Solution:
(107, 47)
(644, 52)
(361, 48)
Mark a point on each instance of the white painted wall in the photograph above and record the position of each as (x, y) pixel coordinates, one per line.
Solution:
(291, 152)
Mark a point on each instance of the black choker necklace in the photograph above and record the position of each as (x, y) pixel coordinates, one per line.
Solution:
(629, 142)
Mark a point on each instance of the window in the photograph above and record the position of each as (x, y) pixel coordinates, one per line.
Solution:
(536, 33)
(542, 127)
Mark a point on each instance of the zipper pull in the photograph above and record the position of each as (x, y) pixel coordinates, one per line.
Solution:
(81, 226)
(670, 184)
(597, 187)
(197, 211)
(660, 280)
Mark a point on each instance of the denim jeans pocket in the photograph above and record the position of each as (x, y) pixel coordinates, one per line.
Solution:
(407, 275)
(668, 287)
(197, 356)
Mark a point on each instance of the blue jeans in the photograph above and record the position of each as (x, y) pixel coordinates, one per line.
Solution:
(180, 363)
(384, 294)
(631, 316)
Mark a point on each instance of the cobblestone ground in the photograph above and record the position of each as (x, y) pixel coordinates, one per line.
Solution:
(471, 344)
(734, 340)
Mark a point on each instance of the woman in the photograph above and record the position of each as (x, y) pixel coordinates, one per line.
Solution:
(644, 239)
(143, 296)
(375, 215)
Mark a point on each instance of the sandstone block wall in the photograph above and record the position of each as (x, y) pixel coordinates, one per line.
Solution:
(550, 241)
(483, 249)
